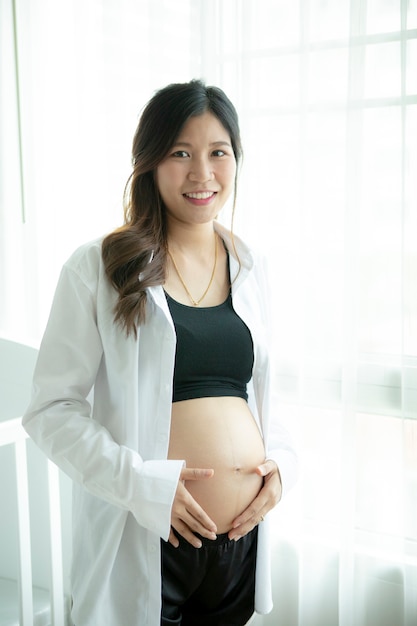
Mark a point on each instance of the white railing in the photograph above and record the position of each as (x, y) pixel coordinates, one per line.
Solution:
(12, 433)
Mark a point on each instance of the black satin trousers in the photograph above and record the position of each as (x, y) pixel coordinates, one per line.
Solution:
(209, 586)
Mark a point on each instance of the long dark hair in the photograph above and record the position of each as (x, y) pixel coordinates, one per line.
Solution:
(128, 250)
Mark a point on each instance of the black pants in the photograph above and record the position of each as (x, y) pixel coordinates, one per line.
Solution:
(209, 586)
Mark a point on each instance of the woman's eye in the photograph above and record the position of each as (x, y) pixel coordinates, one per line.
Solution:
(219, 153)
(182, 154)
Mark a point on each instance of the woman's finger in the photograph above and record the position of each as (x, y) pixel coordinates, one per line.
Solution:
(188, 517)
(266, 500)
(194, 473)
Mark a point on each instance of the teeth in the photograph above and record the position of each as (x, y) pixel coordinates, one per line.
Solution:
(200, 196)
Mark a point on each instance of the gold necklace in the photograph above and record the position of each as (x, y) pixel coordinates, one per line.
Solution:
(197, 302)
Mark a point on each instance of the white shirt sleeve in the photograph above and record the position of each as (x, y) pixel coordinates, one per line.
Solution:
(59, 418)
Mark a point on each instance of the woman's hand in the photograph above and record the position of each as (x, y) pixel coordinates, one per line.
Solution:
(187, 516)
(267, 498)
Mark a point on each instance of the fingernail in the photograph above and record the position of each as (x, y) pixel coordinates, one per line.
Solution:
(237, 538)
(212, 536)
(198, 544)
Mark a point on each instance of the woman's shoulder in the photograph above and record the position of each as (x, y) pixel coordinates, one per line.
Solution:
(246, 250)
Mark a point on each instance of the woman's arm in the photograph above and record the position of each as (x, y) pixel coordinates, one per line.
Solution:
(59, 416)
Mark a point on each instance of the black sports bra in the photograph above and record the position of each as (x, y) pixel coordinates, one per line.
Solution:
(214, 355)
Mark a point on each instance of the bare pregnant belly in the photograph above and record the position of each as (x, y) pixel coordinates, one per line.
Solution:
(219, 434)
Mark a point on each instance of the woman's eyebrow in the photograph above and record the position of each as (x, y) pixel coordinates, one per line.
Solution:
(221, 143)
(185, 144)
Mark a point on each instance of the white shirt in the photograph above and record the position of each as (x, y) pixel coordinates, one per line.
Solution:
(101, 410)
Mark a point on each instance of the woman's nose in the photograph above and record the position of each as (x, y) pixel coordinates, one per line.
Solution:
(200, 171)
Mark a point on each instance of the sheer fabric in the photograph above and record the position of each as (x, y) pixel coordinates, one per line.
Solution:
(327, 95)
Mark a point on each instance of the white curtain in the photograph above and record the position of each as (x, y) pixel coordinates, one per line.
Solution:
(74, 75)
(327, 95)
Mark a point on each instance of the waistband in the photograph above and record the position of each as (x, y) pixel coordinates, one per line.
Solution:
(220, 540)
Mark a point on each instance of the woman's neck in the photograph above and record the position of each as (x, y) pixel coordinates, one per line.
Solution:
(195, 239)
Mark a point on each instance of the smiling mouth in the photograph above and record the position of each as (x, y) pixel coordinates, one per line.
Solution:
(201, 195)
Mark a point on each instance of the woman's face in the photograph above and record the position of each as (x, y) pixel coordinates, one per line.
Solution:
(197, 176)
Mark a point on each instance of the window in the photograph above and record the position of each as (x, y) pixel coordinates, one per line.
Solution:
(327, 97)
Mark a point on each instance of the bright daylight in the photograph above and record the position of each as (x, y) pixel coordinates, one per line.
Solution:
(208, 322)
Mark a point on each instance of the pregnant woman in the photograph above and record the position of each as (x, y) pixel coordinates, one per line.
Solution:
(152, 388)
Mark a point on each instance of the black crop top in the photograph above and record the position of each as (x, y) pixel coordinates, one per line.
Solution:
(214, 355)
